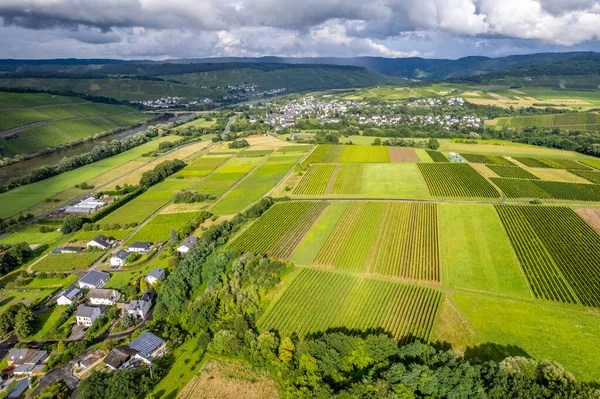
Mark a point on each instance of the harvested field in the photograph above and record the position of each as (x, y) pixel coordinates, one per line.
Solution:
(221, 380)
(590, 215)
(403, 154)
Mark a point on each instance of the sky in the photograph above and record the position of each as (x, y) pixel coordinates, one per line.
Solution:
(159, 29)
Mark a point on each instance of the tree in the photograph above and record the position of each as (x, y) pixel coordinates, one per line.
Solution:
(58, 390)
(377, 141)
(128, 321)
(174, 237)
(433, 144)
(143, 285)
(286, 350)
(71, 224)
(24, 322)
(60, 347)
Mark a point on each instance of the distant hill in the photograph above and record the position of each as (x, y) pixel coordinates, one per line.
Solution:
(586, 65)
(122, 80)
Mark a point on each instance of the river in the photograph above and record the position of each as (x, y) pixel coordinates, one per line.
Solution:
(24, 167)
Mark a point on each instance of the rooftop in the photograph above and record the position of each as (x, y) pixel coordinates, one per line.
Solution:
(93, 277)
(146, 343)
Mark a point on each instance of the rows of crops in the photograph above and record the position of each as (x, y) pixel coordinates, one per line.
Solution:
(317, 154)
(589, 175)
(315, 180)
(456, 180)
(350, 243)
(486, 159)
(388, 238)
(334, 154)
(551, 163)
(559, 252)
(577, 120)
(349, 179)
(319, 300)
(437, 156)
(571, 191)
(514, 172)
(516, 188)
(407, 244)
(280, 229)
(365, 154)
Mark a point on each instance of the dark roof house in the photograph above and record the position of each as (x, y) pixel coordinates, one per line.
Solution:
(140, 246)
(118, 356)
(101, 241)
(93, 279)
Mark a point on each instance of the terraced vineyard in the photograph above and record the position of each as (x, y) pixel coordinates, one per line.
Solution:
(319, 300)
(514, 172)
(437, 156)
(365, 154)
(349, 179)
(558, 251)
(387, 238)
(456, 180)
(314, 180)
(280, 229)
(486, 159)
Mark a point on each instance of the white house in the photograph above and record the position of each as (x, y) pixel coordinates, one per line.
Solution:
(139, 308)
(68, 296)
(101, 241)
(93, 279)
(187, 244)
(87, 315)
(99, 296)
(119, 259)
(140, 247)
(157, 274)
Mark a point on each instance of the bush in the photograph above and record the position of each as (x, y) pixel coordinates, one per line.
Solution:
(72, 224)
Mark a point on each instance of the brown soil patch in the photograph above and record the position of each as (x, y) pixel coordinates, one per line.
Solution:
(183, 208)
(402, 154)
(484, 170)
(259, 142)
(228, 380)
(590, 215)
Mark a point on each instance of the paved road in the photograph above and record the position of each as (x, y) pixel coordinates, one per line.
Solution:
(229, 122)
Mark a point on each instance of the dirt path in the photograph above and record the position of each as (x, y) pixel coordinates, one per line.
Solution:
(19, 129)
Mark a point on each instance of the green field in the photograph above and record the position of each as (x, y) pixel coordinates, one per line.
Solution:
(513, 172)
(201, 166)
(565, 335)
(264, 178)
(24, 197)
(476, 252)
(570, 121)
(67, 262)
(486, 159)
(159, 227)
(227, 175)
(25, 100)
(44, 323)
(517, 188)
(318, 300)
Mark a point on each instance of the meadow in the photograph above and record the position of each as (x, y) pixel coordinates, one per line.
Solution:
(257, 184)
(317, 300)
(159, 227)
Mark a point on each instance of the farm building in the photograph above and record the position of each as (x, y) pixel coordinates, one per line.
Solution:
(119, 259)
(454, 157)
(100, 296)
(101, 241)
(86, 206)
(93, 279)
(68, 296)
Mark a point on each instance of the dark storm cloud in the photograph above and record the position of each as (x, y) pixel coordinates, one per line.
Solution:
(299, 27)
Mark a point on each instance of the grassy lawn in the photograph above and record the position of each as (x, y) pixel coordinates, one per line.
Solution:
(31, 235)
(316, 237)
(9, 297)
(44, 323)
(564, 334)
(159, 228)
(264, 178)
(53, 282)
(476, 252)
(24, 197)
(400, 180)
(67, 262)
(188, 360)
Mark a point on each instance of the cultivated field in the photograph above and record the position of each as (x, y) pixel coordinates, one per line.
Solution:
(514, 172)
(456, 180)
(518, 188)
(318, 300)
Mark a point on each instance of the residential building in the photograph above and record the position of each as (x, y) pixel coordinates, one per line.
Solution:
(101, 241)
(100, 296)
(19, 389)
(187, 244)
(68, 296)
(87, 315)
(27, 361)
(157, 274)
(119, 259)
(119, 356)
(139, 307)
(148, 346)
(140, 247)
(93, 279)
